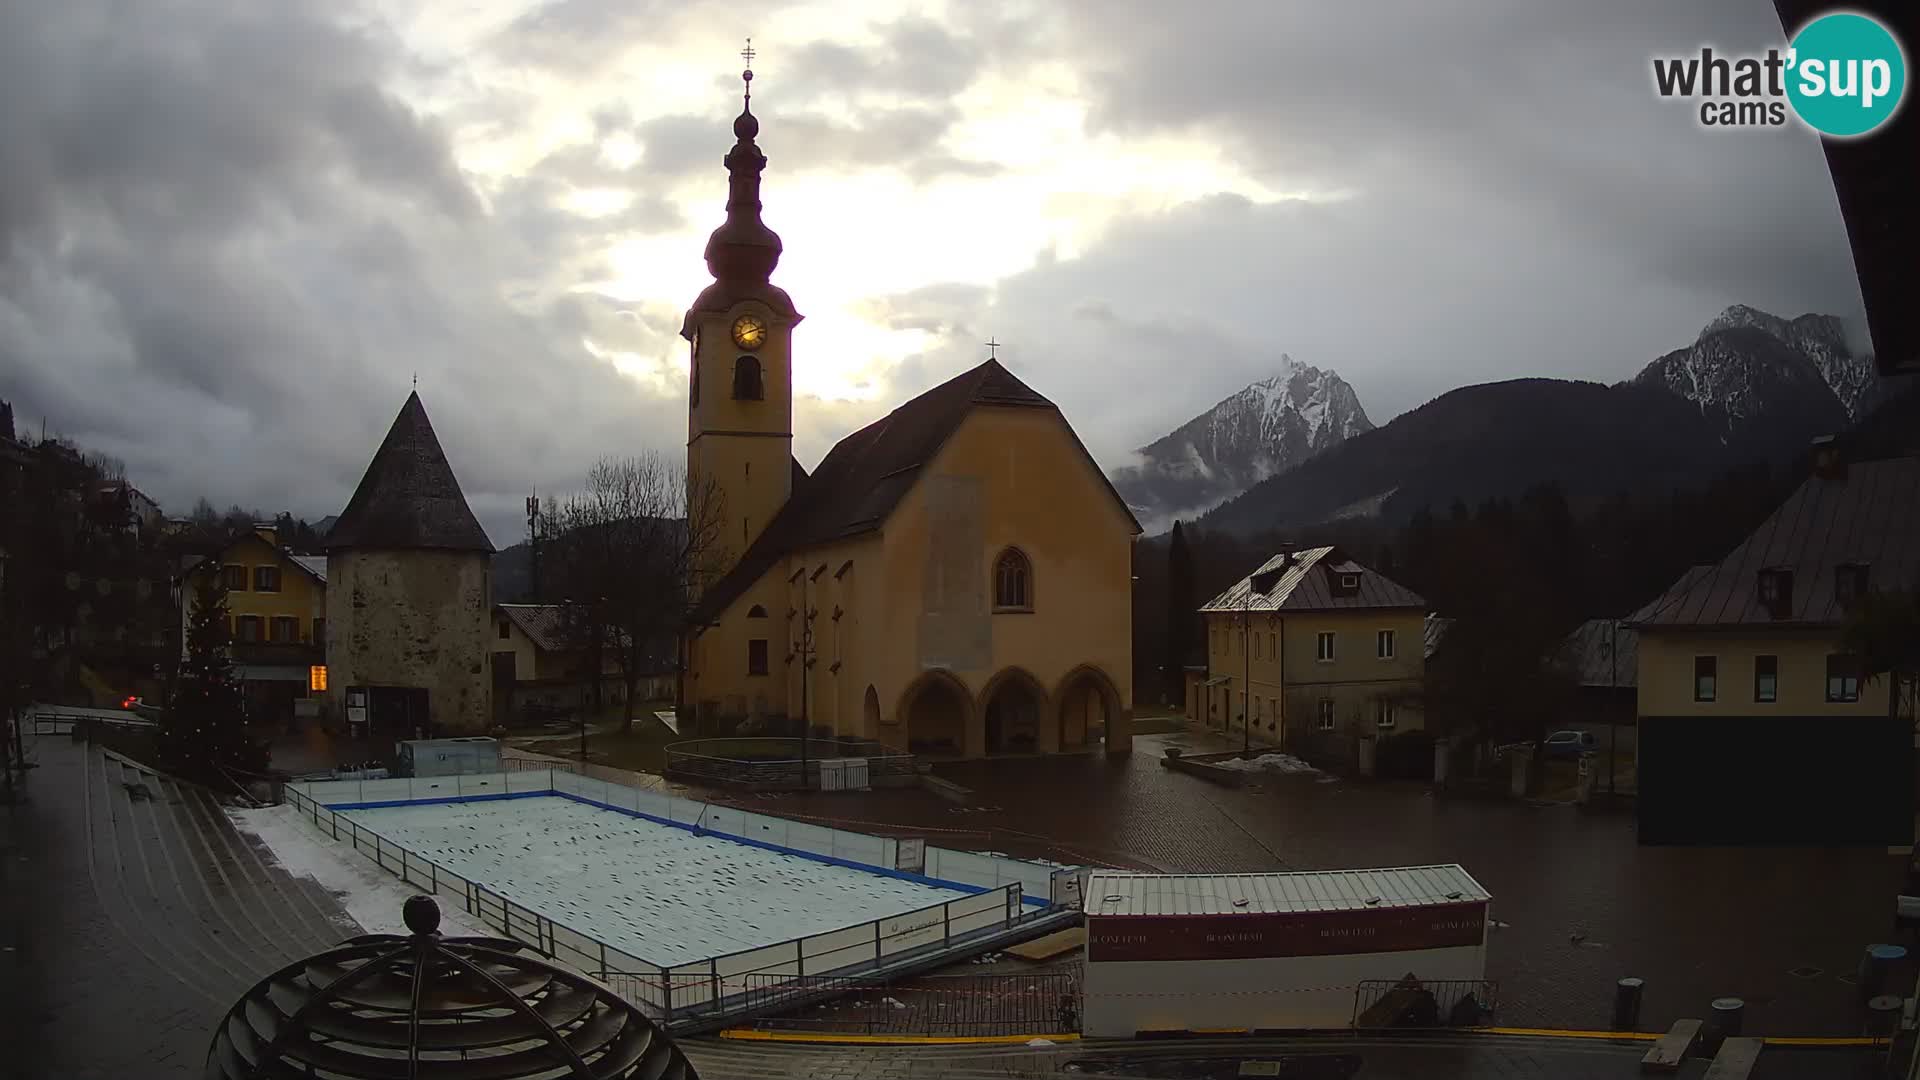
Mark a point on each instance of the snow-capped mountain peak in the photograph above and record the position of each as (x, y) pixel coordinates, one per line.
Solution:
(1748, 362)
(1266, 428)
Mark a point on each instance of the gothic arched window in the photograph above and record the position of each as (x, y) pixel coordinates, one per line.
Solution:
(1012, 581)
(746, 379)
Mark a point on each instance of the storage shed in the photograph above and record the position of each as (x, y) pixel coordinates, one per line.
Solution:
(1199, 952)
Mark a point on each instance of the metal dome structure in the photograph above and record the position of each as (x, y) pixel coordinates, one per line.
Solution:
(396, 1007)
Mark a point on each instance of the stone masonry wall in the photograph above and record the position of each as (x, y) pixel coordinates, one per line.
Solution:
(412, 618)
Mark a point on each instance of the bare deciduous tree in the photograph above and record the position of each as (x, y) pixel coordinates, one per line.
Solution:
(627, 555)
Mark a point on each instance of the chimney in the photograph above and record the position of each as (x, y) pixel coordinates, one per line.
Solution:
(1828, 465)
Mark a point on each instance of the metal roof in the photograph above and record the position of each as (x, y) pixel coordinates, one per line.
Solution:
(1118, 893)
(1868, 515)
(1300, 588)
(1436, 630)
(1588, 653)
(315, 565)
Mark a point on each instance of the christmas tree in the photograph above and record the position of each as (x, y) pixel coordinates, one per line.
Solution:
(205, 724)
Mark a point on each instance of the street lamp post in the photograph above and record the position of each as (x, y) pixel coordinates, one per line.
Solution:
(1259, 584)
(1246, 668)
(803, 651)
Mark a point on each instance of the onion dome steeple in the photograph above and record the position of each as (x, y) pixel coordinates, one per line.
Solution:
(744, 249)
(742, 252)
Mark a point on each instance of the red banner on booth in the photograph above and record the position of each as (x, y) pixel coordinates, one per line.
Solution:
(1296, 933)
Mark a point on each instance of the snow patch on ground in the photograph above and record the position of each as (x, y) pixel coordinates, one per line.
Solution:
(372, 896)
(1280, 763)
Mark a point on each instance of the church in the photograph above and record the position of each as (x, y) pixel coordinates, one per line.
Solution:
(954, 579)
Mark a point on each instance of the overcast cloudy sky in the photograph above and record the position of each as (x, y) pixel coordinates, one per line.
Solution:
(232, 231)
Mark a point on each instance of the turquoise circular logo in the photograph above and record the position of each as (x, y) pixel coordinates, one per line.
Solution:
(1846, 74)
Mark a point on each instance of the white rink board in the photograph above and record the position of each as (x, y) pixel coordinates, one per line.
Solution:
(666, 895)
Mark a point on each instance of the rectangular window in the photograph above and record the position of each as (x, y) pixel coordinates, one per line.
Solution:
(1843, 679)
(1273, 645)
(1383, 713)
(1323, 647)
(247, 628)
(1766, 678)
(1706, 671)
(234, 578)
(284, 629)
(1849, 583)
(505, 630)
(1326, 714)
(1383, 644)
(266, 579)
(1256, 646)
(1259, 709)
(757, 656)
(320, 633)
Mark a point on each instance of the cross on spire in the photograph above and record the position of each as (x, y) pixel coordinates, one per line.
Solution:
(748, 54)
(746, 76)
(993, 349)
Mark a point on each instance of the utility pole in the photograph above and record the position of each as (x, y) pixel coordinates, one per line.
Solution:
(533, 546)
(1613, 686)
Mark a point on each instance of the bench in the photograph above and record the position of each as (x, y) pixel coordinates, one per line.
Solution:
(1735, 1060)
(1670, 1050)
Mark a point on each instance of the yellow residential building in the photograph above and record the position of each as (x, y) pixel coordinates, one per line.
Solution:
(954, 578)
(276, 614)
(1755, 726)
(1317, 653)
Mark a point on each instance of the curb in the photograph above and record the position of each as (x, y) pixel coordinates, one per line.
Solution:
(749, 1035)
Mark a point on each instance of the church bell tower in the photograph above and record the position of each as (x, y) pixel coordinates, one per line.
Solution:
(740, 395)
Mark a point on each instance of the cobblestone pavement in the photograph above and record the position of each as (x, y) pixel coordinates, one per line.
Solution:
(1579, 903)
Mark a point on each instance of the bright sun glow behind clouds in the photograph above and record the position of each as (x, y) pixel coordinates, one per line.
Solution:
(851, 235)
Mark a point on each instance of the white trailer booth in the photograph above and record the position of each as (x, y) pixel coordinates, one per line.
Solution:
(1270, 951)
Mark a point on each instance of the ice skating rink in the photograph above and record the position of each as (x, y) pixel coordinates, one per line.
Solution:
(664, 894)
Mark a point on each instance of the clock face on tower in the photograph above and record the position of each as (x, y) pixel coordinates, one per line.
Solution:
(749, 332)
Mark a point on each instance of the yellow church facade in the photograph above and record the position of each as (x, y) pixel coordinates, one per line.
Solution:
(954, 579)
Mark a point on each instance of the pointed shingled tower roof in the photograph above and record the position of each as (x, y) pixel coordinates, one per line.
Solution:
(408, 498)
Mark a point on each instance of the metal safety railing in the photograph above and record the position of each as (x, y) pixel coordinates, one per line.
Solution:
(717, 985)
(936, 1005)
(1382, 1004)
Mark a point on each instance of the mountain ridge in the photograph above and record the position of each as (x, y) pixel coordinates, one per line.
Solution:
(1259, 431)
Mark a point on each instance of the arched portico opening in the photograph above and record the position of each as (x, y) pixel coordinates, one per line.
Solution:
(870, 715)
(1015, 704)
(936, 709)
(1088, 707)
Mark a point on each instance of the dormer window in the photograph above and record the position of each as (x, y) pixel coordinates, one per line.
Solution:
(1776, 592)
(1350, 582)
(746, 379)
(1849, 583)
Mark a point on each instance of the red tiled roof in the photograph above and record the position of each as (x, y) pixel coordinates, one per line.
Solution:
(866, 474)
(1870, 517)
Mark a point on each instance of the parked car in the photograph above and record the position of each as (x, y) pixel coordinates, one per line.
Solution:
(1569, 744)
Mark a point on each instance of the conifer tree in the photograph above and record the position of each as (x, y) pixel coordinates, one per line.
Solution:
(205, 724)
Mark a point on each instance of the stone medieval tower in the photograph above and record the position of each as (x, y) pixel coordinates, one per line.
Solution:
(409, 595)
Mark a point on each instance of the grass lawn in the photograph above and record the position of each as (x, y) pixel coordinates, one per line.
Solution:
(641, 750)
